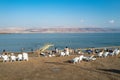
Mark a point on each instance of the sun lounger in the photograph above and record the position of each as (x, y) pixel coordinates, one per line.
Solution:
(90, 58)
(100, 54)
(105, 54)
(77, 59)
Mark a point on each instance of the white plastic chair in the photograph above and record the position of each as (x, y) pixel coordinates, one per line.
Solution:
(25, 56)
(5, 58)
(19, 57)
(62, 54)
(67, 53)
(13, 58)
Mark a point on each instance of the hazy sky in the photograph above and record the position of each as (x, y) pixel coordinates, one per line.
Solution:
(60, 13)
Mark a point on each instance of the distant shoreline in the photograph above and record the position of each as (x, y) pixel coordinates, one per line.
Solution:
(59, 30)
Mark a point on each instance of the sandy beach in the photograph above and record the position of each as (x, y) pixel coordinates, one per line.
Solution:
(58, 68)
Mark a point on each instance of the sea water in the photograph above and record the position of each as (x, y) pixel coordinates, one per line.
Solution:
(33, 41)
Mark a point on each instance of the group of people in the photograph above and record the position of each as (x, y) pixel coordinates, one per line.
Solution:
(12, 58)
(64, 52)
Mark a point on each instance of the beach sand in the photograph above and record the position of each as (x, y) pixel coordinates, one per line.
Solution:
(57, 68)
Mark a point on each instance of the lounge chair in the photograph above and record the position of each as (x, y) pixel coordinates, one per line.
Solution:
(90, 58)
(100, 54)
(75, 60)
(105, 54)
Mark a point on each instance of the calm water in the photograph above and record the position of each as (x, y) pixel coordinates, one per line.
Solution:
(14, 42)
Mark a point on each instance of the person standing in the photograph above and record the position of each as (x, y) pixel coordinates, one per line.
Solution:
(66, 51)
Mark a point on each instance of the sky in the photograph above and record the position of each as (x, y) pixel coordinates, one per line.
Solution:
(60, 13)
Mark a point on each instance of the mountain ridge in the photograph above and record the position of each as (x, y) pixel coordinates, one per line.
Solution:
(58, 30)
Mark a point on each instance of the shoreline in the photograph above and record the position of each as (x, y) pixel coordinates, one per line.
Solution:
(60, 33)
(47, 51)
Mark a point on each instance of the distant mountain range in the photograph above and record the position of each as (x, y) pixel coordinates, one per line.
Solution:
(58, 30)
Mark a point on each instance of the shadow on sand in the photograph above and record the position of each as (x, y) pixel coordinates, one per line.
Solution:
(56, 63)
(111, 70)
